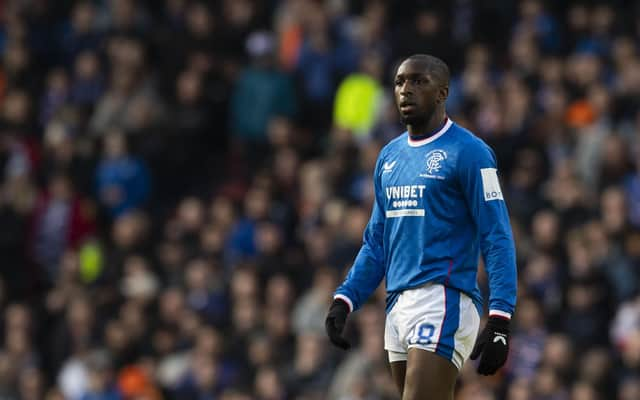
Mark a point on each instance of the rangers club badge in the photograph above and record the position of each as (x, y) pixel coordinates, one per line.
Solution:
(434, 158)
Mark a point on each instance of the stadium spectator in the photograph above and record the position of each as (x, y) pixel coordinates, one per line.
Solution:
(122, 181)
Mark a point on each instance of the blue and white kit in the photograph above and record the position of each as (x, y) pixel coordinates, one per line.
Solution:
(438, 206)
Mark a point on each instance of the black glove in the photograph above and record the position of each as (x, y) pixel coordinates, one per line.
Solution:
(334, 324)
(493, 343)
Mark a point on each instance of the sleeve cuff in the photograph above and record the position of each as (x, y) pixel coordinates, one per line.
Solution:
(500, 314)
(345, 299)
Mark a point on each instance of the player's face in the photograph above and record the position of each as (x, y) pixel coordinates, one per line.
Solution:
(416, 93)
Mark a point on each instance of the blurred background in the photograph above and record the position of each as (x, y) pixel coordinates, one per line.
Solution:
(184, 183)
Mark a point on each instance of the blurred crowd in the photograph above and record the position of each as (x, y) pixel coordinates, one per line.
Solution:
(184, 183)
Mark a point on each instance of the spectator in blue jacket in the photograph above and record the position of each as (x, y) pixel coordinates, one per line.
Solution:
(122, 181)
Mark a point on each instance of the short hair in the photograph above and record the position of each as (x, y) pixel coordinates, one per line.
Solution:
(434, 65)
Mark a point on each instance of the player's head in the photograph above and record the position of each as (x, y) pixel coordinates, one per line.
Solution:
(421, 86)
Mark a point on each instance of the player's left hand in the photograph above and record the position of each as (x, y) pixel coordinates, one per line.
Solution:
(493, 344)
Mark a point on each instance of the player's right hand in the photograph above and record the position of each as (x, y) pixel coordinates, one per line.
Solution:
(334, 324)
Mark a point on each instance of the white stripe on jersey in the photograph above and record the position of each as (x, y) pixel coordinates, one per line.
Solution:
(405, 213)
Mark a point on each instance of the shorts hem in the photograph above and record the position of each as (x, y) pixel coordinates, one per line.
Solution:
(396, 350)
(396, 356)
(437, 351)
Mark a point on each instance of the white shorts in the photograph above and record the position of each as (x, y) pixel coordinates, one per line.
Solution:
(433, 318)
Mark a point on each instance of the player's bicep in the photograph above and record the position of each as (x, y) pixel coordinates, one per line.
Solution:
(480, 184)
(374, 232)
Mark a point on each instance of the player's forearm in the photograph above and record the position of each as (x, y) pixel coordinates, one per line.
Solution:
(362, 280)
(500, 264)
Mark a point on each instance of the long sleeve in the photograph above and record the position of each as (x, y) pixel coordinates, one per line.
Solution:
(368, 268)
(477, 172)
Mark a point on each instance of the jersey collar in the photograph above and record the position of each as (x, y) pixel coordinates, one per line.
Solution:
(421, 142)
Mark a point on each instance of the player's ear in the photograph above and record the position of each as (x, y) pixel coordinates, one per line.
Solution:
(443, 93)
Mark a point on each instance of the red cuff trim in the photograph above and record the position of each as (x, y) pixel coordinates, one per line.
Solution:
(500, 314)
(345, 299)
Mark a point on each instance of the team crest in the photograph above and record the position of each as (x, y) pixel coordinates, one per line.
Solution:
(434, 160)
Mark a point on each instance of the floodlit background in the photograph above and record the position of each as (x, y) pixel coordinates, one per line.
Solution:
(184, 183)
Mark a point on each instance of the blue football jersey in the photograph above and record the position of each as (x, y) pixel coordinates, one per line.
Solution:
(438, 206)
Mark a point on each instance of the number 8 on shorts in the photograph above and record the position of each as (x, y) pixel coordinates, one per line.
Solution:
(432, 318)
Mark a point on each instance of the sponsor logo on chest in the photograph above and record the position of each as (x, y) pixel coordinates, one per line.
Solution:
(404, 195)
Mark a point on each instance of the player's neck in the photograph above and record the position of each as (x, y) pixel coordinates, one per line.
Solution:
(430, 127)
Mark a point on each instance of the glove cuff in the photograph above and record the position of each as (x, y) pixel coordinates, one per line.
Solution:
(345, 299)
(499, 324)
(340, 304)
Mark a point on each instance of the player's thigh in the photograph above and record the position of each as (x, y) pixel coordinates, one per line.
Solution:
(396, 351)
(398, 372)
(428, 375)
